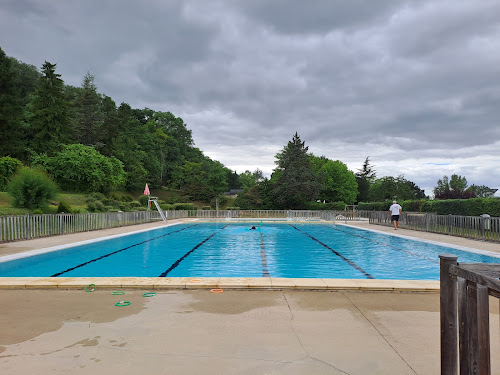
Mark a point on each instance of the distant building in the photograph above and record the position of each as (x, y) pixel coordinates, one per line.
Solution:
(233, 193)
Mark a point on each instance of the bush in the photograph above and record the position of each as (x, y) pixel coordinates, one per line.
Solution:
(81, 168)
(184, 206)
(31, 188)
(135, 204)
(207, 208)
(64, 207)
(96, 197)
(122, 197)
(8, 168)
(166, 207)
(38, 211)
(95, 206)
(331, 206)
(233, 208)
(143, 199)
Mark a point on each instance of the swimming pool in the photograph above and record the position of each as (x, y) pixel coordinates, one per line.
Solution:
(225, 249)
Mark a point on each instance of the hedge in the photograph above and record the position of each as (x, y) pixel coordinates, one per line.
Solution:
(465, 207)
(331, 206)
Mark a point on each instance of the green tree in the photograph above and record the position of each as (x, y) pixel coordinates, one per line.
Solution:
(482, 191)
(294, 181)
(338, 183)
(365, 177)
(88, 111)
(454, 188)
(248, 179)
(12, 138)
(389, 188)
(49, 124)
(8, 168)
(31, 188)
(81, 168)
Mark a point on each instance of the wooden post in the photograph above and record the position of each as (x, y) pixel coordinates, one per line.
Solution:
(448, 312)
(472, 363)
(463, 327)
(483, 325)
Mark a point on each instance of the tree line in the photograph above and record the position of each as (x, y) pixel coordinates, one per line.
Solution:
(86, 142)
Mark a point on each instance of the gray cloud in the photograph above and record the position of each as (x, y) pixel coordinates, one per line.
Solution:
(410, 83)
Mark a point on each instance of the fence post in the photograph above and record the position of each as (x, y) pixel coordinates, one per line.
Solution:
(61, 231)
(450, 224)
(426, 222)
(448, 313)
(27, 227)
(482, 226)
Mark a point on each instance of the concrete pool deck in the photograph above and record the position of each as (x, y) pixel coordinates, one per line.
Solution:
(49, 327)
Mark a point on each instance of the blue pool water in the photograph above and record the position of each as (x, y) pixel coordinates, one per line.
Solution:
(231, 250)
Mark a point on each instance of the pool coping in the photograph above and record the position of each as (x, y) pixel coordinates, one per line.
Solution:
(233, 283)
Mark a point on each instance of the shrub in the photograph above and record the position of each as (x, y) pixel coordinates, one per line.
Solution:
(331, 206)
(206, 208)
(233, 208)
(135, 204)
(184, 206)
(143, 199)
(95, 206)
(96, 197)
(122, 197)
(166, 207)
(63, 207)
(81, 168)
(37, 211)
(8, 168)
(31, 188)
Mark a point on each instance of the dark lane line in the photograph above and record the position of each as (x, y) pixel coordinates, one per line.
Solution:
(178, 261)
(351, 263)
(118, 251)
(265, 272)
(384, 244)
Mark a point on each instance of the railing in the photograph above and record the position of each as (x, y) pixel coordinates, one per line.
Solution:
(477, 227)
(464, 309)
(25, 227)
(280, 214)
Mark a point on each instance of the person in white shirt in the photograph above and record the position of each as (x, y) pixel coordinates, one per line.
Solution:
(395, 210)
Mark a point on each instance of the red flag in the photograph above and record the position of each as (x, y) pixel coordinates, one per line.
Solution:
(146, 190)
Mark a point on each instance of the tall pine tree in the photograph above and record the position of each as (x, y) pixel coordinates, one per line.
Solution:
(11, 110)
(49, 122)
(295, 182)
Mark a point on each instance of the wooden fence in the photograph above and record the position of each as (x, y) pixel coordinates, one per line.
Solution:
(464, 305)
(25, 227)
(477, 227)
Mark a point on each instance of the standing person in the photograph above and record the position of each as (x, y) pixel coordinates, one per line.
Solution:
(395, 210)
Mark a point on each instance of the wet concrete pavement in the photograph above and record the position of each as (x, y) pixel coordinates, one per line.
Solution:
(234, 332)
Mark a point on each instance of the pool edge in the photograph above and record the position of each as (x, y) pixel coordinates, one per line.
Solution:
(228, 283)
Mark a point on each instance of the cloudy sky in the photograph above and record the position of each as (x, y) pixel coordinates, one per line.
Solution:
(414, 85)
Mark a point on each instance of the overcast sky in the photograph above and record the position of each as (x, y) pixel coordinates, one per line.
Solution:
(414, 85)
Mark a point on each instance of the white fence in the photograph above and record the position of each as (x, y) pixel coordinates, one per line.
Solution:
(477, 227)
(25, 227)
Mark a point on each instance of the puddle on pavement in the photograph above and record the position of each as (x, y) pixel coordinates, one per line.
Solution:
(230, 301)
(29, 313)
